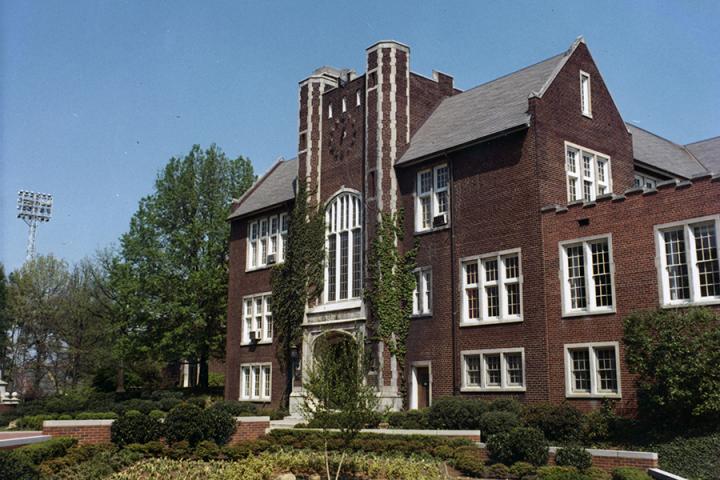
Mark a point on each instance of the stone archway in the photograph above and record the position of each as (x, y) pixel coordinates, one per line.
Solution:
(336, 354)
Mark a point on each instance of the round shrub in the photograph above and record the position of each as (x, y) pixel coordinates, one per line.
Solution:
(219, 426)
(168, 403)
(520, 444)
(595, 473)
(207, 450)
(139, 404)
(558, 422)
(456, 413)
(137, 428)
(522, 469)
(576, 457)
(200, 401)
(96, 416)
(499, 421)
(185, 422)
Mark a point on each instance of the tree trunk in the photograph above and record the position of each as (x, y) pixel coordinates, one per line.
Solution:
(120, 380)
(204, 374)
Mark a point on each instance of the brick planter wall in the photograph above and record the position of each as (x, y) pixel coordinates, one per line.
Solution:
(249, 428)
(86, 431)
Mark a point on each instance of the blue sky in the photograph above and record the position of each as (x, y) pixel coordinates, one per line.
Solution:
(96, 96)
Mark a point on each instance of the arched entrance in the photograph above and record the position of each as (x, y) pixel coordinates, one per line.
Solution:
(336, 359)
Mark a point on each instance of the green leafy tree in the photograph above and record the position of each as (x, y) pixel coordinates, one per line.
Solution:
(175, 256)
(298, 279)
(335, 392)
(391, 286)
(676, 354)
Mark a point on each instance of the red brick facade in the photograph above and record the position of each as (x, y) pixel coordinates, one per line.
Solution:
(87, 432)
(499, 191)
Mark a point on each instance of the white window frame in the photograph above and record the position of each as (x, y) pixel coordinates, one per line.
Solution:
(343, 214)
(259, 243)
(690, 259)
(358, 98)
(578, 177)
(432, 195)
(344, 104)
(501, 282)
(259, 320)
(483, 387)
(423, 291)
(252, 397)
(330, 110)
(585, 96)
(591, 301)
(592, 348)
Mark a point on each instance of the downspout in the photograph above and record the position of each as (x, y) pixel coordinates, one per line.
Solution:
(453, 292)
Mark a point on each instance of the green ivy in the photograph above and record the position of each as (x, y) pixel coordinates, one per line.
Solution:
(392, 282)
(299, 278)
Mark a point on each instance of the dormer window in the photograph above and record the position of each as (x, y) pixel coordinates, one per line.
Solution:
(588, 173)
(585, 98)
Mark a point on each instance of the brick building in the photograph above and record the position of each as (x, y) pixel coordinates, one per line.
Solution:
(542, 219)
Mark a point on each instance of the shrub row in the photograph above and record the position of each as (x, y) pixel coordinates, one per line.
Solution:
(184, 422)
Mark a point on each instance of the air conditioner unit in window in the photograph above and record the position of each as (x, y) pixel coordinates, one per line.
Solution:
(271, 259)
(254, 335)
(440, 220)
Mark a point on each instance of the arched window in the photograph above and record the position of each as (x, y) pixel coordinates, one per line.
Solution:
(343, 269)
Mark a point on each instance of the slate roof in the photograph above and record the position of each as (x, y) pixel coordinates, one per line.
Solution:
(661, 153)
(275, 187)
(707, 152)
(483, 111)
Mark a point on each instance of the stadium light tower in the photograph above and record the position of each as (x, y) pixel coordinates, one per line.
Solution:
(33, 208)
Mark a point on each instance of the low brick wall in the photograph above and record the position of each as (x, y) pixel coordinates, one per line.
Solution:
(88, 432)
(249, 428)
(472, 435)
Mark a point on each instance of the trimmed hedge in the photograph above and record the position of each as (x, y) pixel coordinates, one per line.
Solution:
(135, 428)
(22, 463)
(457, 413)
(697, 457)
(559, 423)
(218, 426)
(409, 419)
(497, 421)
(576, 457)
(521, 444)
(185, 422)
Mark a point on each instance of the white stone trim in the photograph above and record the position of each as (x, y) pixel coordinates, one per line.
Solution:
(255, 419)
(77, 423)
(20, 441)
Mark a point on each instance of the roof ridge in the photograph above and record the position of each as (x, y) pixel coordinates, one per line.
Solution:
(260, 180)
(679, 146)
(716, 137)
(508, 74)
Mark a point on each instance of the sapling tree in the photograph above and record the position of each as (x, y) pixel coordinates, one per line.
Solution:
(335, 392)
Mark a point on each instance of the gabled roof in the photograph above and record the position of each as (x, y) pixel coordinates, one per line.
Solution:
(485, 110)
(707, 152)
(661, 153)
(277, 186)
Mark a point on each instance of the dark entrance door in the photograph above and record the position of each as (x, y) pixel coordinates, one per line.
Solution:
(422, 376)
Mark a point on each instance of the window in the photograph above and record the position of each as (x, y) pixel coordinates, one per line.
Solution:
(330, 113)
(492, 288)
(585, 94)
(588, 173)
(591, 370)
(344, 104)
(343, 269)
(422, 294)
(644, 181)
(358, 98)
(257, 317)
(688, 260)
(494, 370)
(432, 198)
(256, 382)
(586, 271)
(266, 241)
